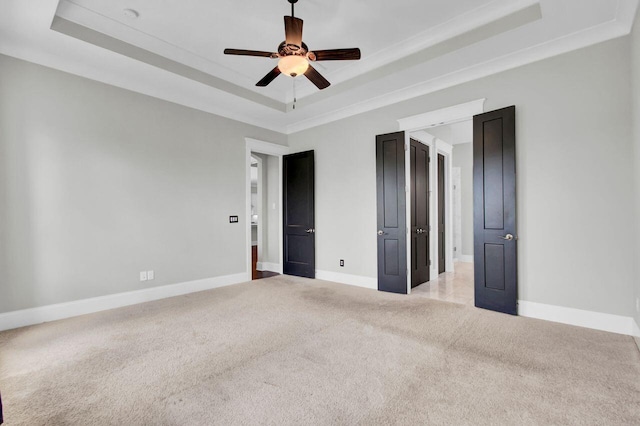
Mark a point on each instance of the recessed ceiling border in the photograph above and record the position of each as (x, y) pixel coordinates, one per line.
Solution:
(80, 32)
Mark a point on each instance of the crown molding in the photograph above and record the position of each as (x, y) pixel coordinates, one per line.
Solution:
(575, 41)
(105, 41)
(26, 36)
(93, 27)
(457, 26)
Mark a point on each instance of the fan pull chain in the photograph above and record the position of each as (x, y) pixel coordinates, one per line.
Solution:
(294, 94)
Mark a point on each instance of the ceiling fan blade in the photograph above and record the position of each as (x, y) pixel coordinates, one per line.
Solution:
(316, 78)
(293, 30)
(335, 54)
(250, 53)
(269, 77)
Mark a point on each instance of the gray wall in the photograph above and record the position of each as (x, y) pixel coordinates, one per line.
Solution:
(635, 79)
(462, 157)
(575, 174)
(98, 183)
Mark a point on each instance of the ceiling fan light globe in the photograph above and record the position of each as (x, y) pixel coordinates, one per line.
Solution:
(293, 65)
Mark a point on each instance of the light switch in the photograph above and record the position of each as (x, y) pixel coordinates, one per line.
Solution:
(143, 276)
(150, 275)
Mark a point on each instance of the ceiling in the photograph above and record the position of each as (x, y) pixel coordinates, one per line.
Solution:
(173, 50)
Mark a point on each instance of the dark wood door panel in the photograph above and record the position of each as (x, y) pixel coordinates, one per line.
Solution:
(419, 231)
(298, 214)
(493, 187)
(391, 213)
(441, 215)
(494, 209)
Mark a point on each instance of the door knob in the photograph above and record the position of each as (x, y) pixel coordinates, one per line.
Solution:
(310, 231)
(507, 237)
(380, 232)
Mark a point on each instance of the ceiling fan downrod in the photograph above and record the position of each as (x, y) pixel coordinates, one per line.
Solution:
(293, 2)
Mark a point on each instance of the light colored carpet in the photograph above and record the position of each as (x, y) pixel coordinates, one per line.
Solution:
(287, 350)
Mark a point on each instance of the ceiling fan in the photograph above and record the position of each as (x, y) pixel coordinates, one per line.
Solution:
(295, 56)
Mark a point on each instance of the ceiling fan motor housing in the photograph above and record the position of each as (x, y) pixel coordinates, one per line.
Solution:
(291, 49)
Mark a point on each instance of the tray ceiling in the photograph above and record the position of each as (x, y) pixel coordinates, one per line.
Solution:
(173, 49)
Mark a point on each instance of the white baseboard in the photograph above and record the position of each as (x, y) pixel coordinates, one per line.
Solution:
(22, 318)
(268, 266)
(596, 320)
(349, 279)
(464, 258)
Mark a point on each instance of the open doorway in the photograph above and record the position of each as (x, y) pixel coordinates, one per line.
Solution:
(264, 216)
(491, 281)
(451, 206)
(263, 208)
(394, 233)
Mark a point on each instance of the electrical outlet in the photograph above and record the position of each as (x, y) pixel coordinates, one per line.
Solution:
(143, 276)
(150, 275)
(341, 262)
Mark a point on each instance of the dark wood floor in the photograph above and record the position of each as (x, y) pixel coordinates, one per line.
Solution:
(255, 274)
(265, 274)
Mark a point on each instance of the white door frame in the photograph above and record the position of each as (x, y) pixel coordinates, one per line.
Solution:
(268, 148)
(418, 122)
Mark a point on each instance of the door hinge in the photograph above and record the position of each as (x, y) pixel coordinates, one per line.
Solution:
(406, 189)
(406, 147)
(429, 262)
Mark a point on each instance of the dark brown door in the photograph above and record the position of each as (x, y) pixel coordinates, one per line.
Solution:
(494, 210)
(419, 213)
(298, 213)
(441, 216)
(391, 206)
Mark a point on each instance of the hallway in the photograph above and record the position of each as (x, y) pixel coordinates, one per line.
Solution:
(456, 287)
